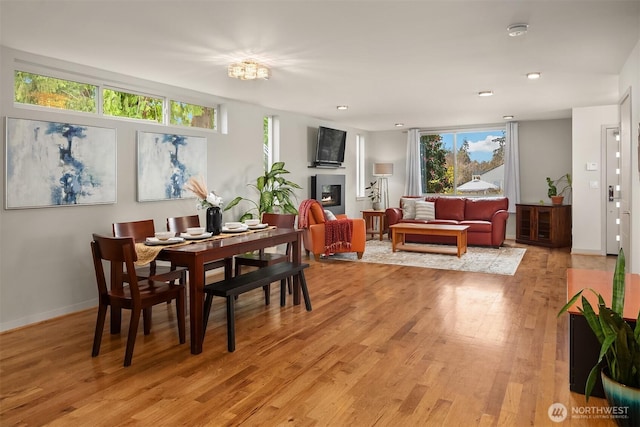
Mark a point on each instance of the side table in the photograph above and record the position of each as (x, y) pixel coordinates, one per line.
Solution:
(375, 222)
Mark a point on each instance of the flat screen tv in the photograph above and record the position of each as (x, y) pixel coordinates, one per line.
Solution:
(330, 146)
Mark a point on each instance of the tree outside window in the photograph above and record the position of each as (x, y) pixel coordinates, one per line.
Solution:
(463, 162)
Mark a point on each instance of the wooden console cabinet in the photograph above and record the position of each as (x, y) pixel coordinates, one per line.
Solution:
(543, 225)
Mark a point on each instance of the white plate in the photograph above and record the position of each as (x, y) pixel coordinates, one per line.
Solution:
(153, 241)
(257, 227)
(235, 230)
(188, 236)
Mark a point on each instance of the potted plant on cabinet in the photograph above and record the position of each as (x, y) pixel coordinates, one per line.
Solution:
(558, 196)
(374, 195)
(619, 362)
(276, 193)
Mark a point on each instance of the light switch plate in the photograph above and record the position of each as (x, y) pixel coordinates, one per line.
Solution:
(593, 184)
(592, 166)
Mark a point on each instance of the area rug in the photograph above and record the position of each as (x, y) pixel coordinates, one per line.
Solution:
(503, 260)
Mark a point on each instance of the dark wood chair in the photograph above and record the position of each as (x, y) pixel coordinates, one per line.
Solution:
(137, 295)
(263, 259)
(139, 231)
(179, 224)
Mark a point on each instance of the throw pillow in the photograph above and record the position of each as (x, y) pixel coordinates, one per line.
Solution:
(329, 215)
(408, 207)
(425, 210)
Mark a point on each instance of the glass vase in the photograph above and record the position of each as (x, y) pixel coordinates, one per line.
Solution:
(214, 220)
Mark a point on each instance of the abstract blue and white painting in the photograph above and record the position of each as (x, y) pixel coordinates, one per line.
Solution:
(59, 164)
(165, 163)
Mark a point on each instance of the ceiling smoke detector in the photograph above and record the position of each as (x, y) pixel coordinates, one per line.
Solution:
(516, 30)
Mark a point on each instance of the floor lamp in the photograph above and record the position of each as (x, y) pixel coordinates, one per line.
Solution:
(382, 171)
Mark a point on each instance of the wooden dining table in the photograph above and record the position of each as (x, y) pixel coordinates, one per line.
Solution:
(193, 256)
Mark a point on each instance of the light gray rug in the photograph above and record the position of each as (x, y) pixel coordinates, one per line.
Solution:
(503, 260)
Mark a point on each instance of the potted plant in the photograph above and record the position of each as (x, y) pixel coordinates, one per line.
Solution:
(374, 194)
(558, 196)
(619, 360)
(276, 193)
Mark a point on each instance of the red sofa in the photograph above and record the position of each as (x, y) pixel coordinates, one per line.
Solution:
(486, 218)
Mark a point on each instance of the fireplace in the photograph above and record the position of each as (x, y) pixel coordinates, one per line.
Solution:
(329, 190)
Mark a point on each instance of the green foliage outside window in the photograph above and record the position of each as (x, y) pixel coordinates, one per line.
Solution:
(436, 177)
(35, 89)
(192, 115)
(131, 105)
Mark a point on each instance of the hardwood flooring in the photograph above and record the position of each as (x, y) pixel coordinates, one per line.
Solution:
(384, 345)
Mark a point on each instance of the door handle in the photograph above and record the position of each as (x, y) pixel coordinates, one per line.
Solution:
(611, 193)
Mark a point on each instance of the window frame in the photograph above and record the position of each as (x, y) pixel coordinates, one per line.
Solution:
(104, 83)
(456, 131)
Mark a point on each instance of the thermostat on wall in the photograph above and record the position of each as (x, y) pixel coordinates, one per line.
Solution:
(592, 166)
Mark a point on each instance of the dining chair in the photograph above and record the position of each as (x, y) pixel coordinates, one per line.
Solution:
(263, 259)
(179, 224)
(139, 231)
(137, 295)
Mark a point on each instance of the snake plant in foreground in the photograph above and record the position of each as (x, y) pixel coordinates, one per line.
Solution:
(620, 345)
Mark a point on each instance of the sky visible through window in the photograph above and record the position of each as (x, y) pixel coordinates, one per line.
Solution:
(481, 144)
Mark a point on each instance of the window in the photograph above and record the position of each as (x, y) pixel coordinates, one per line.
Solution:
(469, 162)
(132, 105)
(192, 115)
(360, 172)
(267, 145)
(52, 92)
(36, 89)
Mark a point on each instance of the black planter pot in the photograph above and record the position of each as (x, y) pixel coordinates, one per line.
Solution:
(214, 221)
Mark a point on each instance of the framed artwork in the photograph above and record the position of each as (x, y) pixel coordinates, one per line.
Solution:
(58, 164)
(165, 163)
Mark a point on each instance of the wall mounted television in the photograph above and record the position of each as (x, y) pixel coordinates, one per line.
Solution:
(330, 147)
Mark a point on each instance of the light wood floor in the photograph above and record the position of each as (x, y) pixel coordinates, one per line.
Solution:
(384, 345)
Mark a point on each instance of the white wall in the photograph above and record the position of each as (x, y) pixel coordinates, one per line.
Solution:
(587, 201)
(45, 262)
(630, 78)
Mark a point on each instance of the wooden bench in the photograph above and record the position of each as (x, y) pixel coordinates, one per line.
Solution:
(234, 286)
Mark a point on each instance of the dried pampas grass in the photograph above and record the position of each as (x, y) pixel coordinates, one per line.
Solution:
(197, 186)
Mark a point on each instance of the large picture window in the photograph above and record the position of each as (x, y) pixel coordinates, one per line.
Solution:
(469, 162)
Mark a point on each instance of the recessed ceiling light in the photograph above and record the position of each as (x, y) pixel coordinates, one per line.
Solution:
(508, 117)
(485, 93)
(533, 76)
(399, 125)
(516, 30)
(342, 107)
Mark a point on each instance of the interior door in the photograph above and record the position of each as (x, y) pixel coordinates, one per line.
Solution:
(625, 174)
(611, 140)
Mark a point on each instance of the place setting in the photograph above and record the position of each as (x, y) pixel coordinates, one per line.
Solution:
(241, 227)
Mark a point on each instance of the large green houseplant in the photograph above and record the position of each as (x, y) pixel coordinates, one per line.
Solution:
(620, 343)
(275, 193)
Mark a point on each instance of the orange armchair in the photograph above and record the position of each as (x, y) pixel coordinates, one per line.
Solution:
(312, 220)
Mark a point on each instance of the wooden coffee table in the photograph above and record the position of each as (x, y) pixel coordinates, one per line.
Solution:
(398, 232)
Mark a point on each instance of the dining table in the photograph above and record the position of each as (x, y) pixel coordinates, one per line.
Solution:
(194, 255)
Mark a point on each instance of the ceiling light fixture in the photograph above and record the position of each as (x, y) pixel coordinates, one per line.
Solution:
(508, 117)
(342, 107)
(534, 76)
(516, 30)
(399, 125)
(249, 70)
(485, 93)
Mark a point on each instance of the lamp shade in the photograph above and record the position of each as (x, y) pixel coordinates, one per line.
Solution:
(382, 169)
